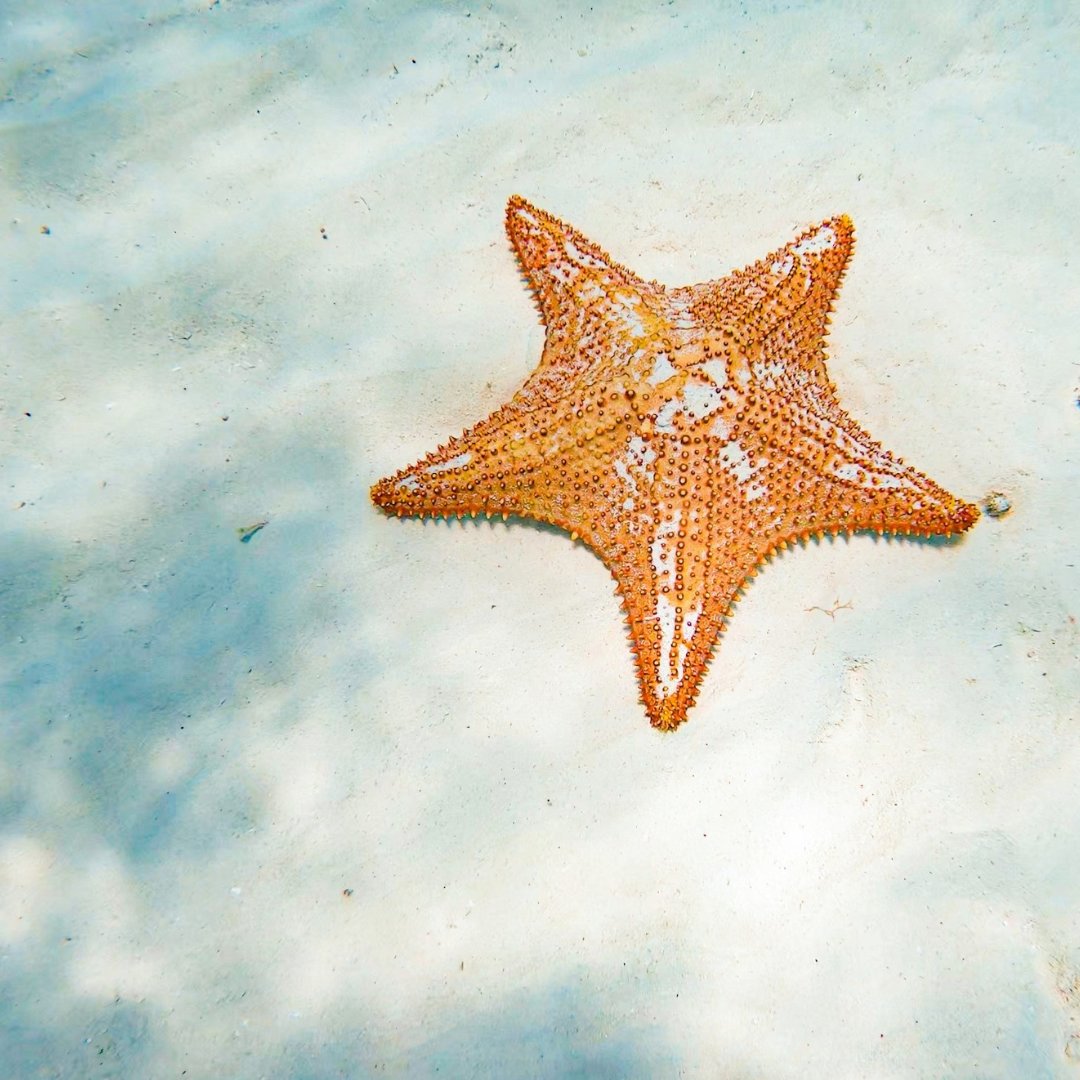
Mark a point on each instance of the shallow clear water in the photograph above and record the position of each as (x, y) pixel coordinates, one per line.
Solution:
(364, 797)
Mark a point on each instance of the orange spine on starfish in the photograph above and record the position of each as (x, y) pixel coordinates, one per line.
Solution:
(684, 434)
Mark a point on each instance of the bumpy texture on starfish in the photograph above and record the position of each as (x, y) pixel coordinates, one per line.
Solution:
(685, 434)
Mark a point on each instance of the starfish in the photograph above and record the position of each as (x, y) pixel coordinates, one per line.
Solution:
(684, 434)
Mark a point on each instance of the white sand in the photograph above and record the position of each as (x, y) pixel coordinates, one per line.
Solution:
(858, 858)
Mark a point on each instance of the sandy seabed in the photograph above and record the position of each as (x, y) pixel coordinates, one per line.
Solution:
(365, 797)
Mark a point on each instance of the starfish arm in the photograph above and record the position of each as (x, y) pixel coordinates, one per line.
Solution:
(679, 557)
(774, 314)
(563, 469)
(567, 271)
(847, 481)
(681, 564)
(491, 468)
(549, 463)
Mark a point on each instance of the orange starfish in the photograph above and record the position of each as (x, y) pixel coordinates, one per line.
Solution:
(685, 434)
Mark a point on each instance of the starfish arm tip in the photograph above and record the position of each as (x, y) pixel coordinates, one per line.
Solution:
(965, 515)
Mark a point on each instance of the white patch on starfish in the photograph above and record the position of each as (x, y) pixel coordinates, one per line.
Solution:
(673, 654)
(665, 417)
(782, 269)
(767, 374)
(561, 273)
(701, 398)
(695, 400)
(822, 239)
(631, 322)
(742, 374)
(454, 463)
(663, 551)
(737, 462)
(680, 314)
(636, 463)
(850, 471)
(717, 371)
(662, 370)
